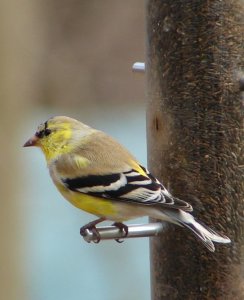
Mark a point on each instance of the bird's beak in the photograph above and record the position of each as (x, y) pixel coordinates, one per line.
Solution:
(31, 142)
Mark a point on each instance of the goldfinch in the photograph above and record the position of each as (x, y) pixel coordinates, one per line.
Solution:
(98, 175)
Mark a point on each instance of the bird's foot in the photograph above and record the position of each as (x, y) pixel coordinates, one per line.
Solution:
(91, 226)
(123, 228)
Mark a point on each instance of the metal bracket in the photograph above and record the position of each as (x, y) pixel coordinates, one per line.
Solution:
(138, 67)
(134, 231)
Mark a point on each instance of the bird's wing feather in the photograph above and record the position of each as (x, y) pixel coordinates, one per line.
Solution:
(88, 170)
(128, 186)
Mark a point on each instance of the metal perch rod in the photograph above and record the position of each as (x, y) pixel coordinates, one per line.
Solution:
(138, 67)
(134, 231)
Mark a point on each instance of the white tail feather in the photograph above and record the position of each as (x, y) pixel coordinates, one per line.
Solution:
(206, 235)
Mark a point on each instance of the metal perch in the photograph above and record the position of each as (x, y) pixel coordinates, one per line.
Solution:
(134, 231)
(138, 67)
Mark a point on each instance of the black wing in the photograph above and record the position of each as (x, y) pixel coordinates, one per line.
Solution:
(128, 186)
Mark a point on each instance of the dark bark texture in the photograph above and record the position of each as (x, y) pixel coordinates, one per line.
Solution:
(194, 123)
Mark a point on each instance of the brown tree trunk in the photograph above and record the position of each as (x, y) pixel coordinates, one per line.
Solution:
(194, 127)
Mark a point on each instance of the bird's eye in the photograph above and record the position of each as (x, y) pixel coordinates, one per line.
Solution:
(47, 131)
(42, 133)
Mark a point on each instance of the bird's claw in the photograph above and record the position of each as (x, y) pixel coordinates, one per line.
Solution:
(119, 241)
(84, 230)
(123, 228)
(93, 229)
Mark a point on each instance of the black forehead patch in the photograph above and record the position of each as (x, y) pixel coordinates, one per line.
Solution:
(43, 132)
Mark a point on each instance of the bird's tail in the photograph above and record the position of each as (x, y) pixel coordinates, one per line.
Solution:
(206, 235)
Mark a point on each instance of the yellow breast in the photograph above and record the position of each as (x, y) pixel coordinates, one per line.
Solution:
(93, 205)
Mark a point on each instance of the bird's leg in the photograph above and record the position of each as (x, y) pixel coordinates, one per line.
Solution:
(92, 226)
(123, 228)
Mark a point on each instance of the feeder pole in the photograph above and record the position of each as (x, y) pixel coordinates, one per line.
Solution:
(194, 72)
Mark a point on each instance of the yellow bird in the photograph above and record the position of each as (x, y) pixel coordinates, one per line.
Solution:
(98, 175)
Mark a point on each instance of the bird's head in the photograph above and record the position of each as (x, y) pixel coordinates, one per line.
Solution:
(58, 135)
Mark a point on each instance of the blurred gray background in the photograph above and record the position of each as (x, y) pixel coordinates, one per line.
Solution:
(69, 58)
